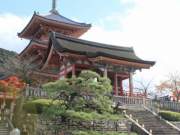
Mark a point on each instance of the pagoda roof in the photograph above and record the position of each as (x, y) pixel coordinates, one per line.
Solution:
(59, 18)
(32, 43)
(53, 20)
(63, 44)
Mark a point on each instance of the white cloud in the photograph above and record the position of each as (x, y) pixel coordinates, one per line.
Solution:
(152, 27)
(10, 25)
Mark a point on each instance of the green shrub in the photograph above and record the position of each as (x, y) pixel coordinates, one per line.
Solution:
(88, 91)
(170, 116)
(90, 116)
(23, 119)
(36, 106)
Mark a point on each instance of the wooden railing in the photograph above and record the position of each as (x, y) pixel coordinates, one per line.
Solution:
(151, 104)
(162, 105)
(10, 124)
(35, 92)
(137, 102)
(140, 128)
(128, 100)
(169, 105)
(134, 94)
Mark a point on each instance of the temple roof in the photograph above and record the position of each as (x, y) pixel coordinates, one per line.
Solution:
(53, 20)
(91, 49)
(59, 18)
(31, 43)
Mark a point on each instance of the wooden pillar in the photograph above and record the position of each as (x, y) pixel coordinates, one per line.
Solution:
(131, 84)
(115, 85)
(74, 70)
(105, 72)
(121, 93)
(65, 71)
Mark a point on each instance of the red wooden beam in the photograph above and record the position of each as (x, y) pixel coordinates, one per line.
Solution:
(131, 84)
(115, 84)
(121, 93)
(65, 71)
(74, 70)
(121, 62)
(49, 55)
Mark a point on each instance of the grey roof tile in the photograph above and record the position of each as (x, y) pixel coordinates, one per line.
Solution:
(60, 18)
(94, 49)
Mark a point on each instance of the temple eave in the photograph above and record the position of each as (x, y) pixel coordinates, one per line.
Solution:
(121, 62)
(33, 45)
(37, 21)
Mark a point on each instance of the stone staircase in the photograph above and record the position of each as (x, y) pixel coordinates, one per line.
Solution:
(151, 122)
(4, 130)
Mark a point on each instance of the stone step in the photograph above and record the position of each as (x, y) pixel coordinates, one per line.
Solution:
(3, 128)
(4, 133)
(152, 122)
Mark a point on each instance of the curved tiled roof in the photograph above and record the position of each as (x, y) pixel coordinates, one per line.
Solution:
(91, 49)
(60, 18)
(51, 19)
(33, 42)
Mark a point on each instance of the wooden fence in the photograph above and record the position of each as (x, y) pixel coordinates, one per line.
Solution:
(169, 105)
(125, 100)
(35, 92)
(122, 100)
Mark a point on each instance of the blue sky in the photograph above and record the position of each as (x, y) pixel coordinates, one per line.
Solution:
(84, 10)
(15, 14)
(151, 27)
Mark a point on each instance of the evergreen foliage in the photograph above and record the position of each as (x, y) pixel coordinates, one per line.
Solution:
(5, 57)
(92, 116)
(81, 100)
(36, 106)
(87, 93)
(170, 116)
(24, 121)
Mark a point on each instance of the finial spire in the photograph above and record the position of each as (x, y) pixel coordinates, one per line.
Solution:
(54, 4)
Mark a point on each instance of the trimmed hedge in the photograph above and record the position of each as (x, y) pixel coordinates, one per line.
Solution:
(36, 106)
(170, 116)
(90, 116)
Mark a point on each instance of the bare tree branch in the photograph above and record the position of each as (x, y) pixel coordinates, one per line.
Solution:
(172, 84)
